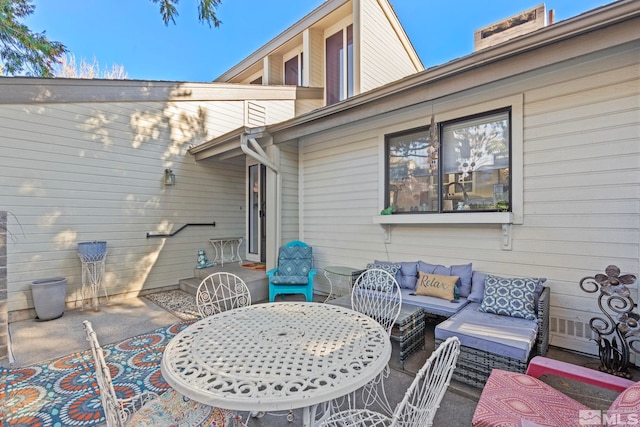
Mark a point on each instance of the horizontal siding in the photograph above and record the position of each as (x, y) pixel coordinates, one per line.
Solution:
(94, 171)
(581, 156)
(383, 58)
(290, 214)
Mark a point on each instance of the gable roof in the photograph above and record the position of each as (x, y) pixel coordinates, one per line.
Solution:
(308, 21)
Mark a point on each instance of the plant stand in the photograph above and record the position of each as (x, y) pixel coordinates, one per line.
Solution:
(618, 331)
(92, 275)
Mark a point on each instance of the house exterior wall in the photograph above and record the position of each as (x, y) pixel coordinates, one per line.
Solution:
(581, 186)
(383, 58)
(290, 187)
(82, 171)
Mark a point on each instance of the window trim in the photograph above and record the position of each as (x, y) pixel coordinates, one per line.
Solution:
(516, 216)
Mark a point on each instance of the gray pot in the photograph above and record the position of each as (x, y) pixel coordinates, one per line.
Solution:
(49, 297)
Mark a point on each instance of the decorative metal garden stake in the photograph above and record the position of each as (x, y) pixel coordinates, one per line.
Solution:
(619, 331)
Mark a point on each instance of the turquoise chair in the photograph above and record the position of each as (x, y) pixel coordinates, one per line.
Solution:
(295, 272)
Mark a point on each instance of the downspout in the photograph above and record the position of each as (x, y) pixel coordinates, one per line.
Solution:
(251, 148)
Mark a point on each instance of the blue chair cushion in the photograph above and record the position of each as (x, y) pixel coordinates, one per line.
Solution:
(294, 261)
(290, 280)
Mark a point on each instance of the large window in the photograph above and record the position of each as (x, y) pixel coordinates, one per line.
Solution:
(339, 82)
(462, 167)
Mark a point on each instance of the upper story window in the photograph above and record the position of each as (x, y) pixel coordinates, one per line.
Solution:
(293, 70)
(257, 81)
(339, 83)
(464, 168)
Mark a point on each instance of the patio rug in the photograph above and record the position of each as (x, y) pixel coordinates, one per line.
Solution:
(63, 392)
(261, 266)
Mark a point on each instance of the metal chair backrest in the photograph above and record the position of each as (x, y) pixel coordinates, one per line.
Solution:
(423, 397)
(220, 292)
(376, 293)
(110, 403)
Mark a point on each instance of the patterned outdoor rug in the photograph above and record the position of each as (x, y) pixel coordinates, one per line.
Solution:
(63, 392)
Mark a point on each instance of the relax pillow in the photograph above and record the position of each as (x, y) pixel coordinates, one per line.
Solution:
(513, 297)
(436, 285)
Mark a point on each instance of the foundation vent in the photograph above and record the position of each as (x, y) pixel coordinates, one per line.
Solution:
(570, 328)
(514, 26)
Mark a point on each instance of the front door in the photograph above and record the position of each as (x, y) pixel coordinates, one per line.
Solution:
(257, 237)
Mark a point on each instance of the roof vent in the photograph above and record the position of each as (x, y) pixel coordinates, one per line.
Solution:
(513, 26)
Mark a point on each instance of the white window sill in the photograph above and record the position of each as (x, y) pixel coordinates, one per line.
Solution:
(447, 218)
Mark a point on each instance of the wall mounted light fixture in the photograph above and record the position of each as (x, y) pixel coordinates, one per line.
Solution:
(169, 177)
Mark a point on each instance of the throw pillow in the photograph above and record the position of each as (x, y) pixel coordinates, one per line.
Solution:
(465, 272)
(392, 269)
(513, 297)
(407, 274)
(436, 285)
(477, 287)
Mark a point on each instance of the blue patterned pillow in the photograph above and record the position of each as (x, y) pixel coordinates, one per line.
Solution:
(392, 269)
(510, 297)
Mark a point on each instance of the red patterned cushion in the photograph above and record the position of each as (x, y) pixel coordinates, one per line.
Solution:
(509, 397)
(626, 407)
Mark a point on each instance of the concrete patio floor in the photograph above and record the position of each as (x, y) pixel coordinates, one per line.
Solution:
(33, 341)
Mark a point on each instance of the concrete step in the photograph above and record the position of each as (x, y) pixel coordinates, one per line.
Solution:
(256, 281)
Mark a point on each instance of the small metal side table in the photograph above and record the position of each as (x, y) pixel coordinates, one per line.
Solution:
(233, 244)
(343, 278)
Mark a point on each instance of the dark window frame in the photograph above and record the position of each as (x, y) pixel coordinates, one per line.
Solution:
(442, 192)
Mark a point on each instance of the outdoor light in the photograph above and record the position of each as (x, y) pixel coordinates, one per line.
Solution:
(169, 177)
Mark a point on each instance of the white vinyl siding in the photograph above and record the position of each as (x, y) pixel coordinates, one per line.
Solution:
(581, 178)
(83, 171)
(289, 196)
(383, 58)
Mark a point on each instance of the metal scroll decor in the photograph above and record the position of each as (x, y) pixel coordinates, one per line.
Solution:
(618, 332)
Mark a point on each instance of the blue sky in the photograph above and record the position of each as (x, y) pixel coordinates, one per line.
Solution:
(131, 33)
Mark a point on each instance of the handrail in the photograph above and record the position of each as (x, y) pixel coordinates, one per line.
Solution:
(179, 230)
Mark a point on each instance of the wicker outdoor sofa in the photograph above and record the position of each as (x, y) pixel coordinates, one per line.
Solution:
(481, 315)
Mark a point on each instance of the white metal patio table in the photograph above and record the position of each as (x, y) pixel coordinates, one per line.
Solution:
(276, 356)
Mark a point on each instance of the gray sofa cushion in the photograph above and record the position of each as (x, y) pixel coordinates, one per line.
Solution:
(433, 305)
(502, 335)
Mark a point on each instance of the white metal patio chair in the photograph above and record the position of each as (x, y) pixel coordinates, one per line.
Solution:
(421, 401)
(220, 292)
(148, 409)
(377, 294)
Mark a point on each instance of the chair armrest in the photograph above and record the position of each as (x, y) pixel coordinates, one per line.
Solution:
(272, 272)
(313, 272)
(542, 340)
(544, 366)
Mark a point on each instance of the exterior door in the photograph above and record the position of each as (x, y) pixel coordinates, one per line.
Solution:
(257, 237)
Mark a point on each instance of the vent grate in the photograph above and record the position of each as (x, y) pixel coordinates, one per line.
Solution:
(571, 328)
